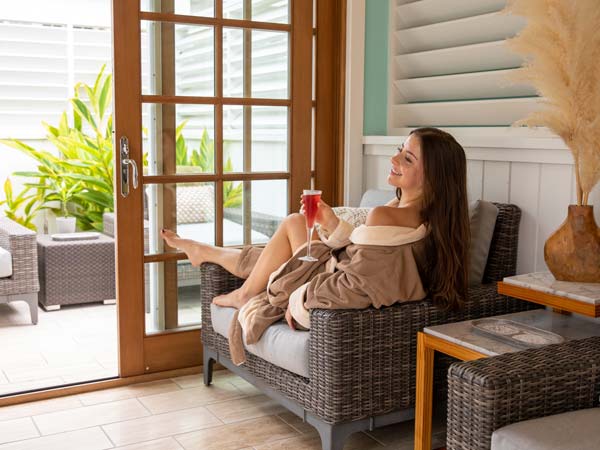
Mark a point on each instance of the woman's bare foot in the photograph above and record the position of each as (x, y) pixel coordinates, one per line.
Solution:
(171, 238)
(195, 251)
(234, 299)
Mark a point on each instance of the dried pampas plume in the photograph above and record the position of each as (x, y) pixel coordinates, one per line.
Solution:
(561, 47)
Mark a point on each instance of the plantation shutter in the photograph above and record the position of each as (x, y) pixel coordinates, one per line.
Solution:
(40, 64)
(450, 65)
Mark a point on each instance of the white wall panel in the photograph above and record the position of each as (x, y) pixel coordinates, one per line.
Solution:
(524, 192)
(496, 180)
(555, 196)
(474, 180)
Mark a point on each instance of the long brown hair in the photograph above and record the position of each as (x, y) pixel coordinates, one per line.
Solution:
(445, 211)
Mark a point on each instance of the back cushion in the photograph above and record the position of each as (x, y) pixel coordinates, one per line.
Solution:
(482, 219)
(195, 203)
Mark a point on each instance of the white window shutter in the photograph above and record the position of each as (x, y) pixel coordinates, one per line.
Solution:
(451, 66)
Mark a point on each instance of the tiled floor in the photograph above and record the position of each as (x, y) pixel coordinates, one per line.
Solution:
(77, 343)
(176, 414)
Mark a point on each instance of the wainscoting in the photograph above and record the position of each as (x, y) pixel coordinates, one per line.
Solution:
(534, 173)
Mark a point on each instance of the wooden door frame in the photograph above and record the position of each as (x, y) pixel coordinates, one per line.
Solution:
(129, 247)
(330, 86)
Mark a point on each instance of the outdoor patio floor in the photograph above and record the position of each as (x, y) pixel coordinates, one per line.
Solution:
(76, 343)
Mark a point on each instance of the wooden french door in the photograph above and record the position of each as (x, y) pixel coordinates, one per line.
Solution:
(217, 105)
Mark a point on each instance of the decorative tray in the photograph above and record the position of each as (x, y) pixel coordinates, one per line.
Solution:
(515, 333)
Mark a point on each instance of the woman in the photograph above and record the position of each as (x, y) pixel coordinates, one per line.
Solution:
(420, 238)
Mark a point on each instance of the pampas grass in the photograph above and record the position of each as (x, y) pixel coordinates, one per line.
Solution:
(561, 46)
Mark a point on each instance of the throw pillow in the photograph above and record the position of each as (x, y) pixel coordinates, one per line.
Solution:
(482, 219)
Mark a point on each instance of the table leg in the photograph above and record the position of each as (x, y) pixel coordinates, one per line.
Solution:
(424, 397)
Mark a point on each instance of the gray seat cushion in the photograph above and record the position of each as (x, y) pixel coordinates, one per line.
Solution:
(280, 345)
(575, 430)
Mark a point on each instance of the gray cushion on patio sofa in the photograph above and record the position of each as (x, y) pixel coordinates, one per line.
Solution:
(280, 345)
(575, 430)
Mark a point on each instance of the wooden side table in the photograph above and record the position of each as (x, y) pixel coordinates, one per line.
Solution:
(542, 288)
(461, 341)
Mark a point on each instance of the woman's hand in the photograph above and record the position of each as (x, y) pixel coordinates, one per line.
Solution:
(289, 319)
(325, 215)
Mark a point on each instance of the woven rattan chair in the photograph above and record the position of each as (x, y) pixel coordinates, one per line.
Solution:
(362, 363)
(490, 393)
(23, 284)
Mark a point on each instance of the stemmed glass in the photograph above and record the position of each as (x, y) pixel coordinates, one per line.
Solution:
(311, 205)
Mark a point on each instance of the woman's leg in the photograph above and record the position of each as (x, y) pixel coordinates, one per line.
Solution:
(198, 252)
(290, 235)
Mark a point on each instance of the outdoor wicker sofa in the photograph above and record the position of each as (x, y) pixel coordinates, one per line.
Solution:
(23, 284)
(487, 395)
(361, 363)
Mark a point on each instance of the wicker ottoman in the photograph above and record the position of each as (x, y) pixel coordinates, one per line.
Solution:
(75, 272)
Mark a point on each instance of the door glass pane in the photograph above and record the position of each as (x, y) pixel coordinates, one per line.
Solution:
(269, 208)
(233, 62)
(180, 59)
(233, 213)
(172, 295)
(269, 138)
(204, 8)
(271, 11)
(184, 143)
(270, 50)
(233, 138)
(187, 209)
(233, 9)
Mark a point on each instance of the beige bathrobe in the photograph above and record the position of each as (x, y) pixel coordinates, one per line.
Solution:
(356, 268)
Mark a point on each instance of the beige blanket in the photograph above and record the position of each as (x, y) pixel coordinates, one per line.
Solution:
(355, 268)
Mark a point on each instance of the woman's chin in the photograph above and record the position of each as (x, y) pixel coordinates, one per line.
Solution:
(392, 182)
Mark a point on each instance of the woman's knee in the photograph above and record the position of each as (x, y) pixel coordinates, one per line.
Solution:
(295, 220)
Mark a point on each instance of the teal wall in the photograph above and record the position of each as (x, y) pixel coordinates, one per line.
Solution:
(376, 67)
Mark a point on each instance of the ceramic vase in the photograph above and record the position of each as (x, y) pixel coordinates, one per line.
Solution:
(572, 252)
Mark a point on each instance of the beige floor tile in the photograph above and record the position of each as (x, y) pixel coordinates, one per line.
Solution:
(159, 426)
(245, 408)
(188, 381)
(20, 357)
(40, 407)
(89, 416)
(197, 379)
(244, 386)
(401, 435)
(99, 373)
(358, 441)
(297, 423)
(12, 388)
(244, 434)
(131, 391)
(17, 429)
(20, 375)
(158, 444)
(88, 439)
(189, 398)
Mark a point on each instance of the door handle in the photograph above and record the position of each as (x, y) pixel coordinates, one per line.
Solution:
(125, 163)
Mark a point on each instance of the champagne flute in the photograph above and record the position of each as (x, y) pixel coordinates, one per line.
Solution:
(311, 205)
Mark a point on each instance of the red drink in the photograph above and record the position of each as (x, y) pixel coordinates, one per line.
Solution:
(311, 200)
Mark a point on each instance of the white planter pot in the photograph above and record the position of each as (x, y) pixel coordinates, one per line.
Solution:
(65, 224)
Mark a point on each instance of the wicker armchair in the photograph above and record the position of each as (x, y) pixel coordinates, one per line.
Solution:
(362, 363)
(488, 394)
(24, 284)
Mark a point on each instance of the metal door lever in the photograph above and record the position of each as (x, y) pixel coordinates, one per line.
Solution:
(125, 163)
